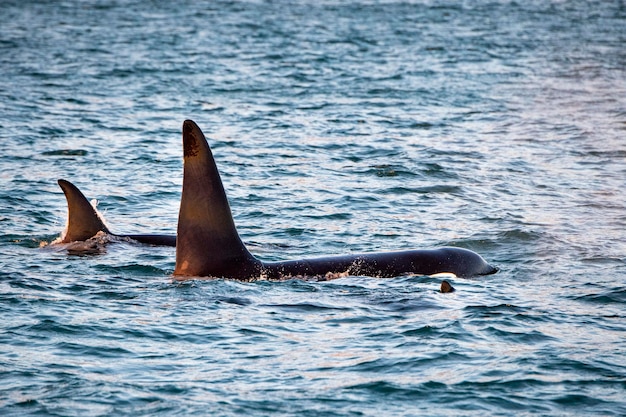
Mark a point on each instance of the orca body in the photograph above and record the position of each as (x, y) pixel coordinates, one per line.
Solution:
(208, 244)
(84, 222)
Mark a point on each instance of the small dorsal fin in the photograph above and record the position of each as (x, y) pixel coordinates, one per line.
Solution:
(207, 240)
(83, 220)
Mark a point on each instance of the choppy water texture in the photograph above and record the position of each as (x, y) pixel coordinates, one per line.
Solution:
(338, 126)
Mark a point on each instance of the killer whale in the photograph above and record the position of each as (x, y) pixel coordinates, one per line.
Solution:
(208, 244)
(211, 245)
(84, 222)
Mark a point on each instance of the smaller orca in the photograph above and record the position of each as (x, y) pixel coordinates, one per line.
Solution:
(84, 222)
(208, 244)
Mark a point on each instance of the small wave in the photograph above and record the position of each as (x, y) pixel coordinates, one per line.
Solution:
(433, 189)
(240, 301)
(132, 270)
(493, 311)
(100, 351)
(523, 336)
(306, 307)
(66, 152)
(616, 296)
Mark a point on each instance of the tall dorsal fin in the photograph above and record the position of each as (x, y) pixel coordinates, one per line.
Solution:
(207, 240)
(83, 220)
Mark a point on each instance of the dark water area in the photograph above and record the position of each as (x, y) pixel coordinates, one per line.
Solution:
(338, 127)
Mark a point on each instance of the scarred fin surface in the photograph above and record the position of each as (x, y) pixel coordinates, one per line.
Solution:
(83, 221)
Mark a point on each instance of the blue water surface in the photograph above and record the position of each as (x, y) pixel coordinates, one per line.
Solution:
(338, 127)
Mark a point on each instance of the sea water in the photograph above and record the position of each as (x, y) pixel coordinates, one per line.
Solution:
(338, 127)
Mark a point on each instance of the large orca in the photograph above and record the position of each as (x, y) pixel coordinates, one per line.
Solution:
(84, 222)
(208, 244)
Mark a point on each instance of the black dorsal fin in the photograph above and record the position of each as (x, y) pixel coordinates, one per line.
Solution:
(83, 220)
(207, 240)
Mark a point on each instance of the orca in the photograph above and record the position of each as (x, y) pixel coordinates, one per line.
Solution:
(84, 222)
(208, 244)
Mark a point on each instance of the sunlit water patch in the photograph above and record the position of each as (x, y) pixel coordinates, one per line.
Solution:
(338, 127)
